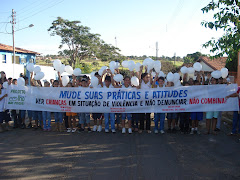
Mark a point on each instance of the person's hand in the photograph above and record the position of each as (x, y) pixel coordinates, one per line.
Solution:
(6, 95)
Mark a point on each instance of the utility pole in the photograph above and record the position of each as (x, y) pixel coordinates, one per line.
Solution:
(157, 50)
(116, 41)
(174, 58)
(13, 23)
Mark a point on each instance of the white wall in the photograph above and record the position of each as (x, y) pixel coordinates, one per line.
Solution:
(49, 72)
(11, 70)
(205, 67)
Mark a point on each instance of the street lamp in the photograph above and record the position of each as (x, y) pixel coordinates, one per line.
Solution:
(31, 25)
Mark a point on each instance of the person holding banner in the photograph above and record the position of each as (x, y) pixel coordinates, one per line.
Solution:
(211, 116)
(145, 83)
(159, 117)
(58, 115)
(84, 117)
(236, 115)
(171, 117)
(4, 115)
(108, 83)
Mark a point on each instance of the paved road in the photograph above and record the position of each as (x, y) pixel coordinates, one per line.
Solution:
(28, 154)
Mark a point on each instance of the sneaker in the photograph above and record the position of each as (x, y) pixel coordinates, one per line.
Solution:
(44, 129)
(192, 132)
(198, 132)
(129, 130)
(123, 130)
(149, 131)
(29, 126)
(106, 131)
(89, 130)
(94, 128)
(99, 128)
(217, 129)
(69, 130)
(113, 131)
(81, 130)
(162, 132)
(156, 131)
(23, 126)
(74, 130)
(49, 129)
(169, 130)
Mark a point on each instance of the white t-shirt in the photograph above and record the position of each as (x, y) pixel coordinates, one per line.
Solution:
(158, 87)
(2, 102)
(126, 87)
(110, 86)
(145, 86)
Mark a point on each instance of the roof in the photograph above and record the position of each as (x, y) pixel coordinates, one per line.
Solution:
(216, 63)
(19, 50)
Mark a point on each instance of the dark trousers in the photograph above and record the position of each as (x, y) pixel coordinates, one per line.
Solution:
(144, 116)
(135, 118)
(16, 117)
(184, 121)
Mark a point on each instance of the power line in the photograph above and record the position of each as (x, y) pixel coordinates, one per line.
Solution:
(41, 11)
(30, 9)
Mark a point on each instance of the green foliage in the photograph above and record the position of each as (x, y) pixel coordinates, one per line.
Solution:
(95, 63)
(227, 18)
(81, 42)
(188, 59)
(86, 68)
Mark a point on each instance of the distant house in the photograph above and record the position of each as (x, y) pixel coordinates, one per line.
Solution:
(210, 65)
(22, 56)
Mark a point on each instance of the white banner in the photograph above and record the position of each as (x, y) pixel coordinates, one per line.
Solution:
(104, 100)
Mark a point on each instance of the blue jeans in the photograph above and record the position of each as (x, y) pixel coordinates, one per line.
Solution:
(84, 118)
(129, 116)
(58, 117)
(159, 117)
(37, 115)
(236, 120)
(46, 115)
(112, 120)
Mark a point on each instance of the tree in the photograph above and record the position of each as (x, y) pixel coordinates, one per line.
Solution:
(188, 59)
(226, 18)
(80, 42)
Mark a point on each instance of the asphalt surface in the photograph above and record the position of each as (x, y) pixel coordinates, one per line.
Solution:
(29, 154)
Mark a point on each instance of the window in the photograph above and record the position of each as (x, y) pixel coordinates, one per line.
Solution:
(23, 60)
(3, 58)
(31, 60)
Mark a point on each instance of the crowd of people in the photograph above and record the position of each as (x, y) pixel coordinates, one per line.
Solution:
(188, 122)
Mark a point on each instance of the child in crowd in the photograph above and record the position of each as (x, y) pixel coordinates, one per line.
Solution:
(4, 115)
(58, 115)
(84, 117)
(46, 115)
(184, 118)
(97, 116)
(71, 118)
(196, 116)
(159, 117)
(126, 85)
(211, 116)
(145, 83)
(171, 116)
(108, 83)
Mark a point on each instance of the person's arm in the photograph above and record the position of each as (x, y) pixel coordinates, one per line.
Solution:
(112, 80)
(40, 83)
(203, 77)
(151, 77)
(31, 79)
(5, 95)
(60, 79)
(232, 95)
(185, 76)
(154, 81)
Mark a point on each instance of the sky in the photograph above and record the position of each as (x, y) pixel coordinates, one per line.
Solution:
(134, 26)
